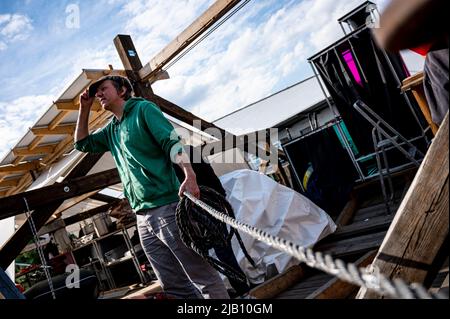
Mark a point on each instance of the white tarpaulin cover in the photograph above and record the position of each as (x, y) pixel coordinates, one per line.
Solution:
(259, 201)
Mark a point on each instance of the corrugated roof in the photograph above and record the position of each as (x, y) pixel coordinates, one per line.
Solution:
(273, 109)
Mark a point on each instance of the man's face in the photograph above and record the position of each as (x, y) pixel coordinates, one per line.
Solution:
(107, 95)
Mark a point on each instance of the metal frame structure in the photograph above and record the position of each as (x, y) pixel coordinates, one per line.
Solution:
(356, 161)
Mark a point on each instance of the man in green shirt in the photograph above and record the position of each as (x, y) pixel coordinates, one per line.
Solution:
(144, 144)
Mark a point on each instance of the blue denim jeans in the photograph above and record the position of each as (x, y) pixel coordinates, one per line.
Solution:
(180, 270)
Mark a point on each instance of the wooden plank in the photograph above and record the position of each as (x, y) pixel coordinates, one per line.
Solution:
(9, 182)
(305, 286)
(25, 151)
(279, 283)
(15, 204)
(72, 202)
(58, 119)
(74, 105)
(104, 198)
(13, 247)
(348, 211)
(57, 130)
(421, 224)
(89, 213)
(352, 246)
(373, 225)
(338, 289)
(216, 11)
(21, 167)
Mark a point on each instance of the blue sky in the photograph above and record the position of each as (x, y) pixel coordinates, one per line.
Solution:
(260, 50)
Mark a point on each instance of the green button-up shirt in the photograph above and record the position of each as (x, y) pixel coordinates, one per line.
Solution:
(142, 144)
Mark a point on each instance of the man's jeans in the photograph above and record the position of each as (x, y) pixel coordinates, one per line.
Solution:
(180, 270)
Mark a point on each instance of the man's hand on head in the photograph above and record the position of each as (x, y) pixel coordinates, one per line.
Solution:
(86, 101)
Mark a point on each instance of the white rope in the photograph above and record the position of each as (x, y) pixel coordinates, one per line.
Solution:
(39, 248)
(363, 277)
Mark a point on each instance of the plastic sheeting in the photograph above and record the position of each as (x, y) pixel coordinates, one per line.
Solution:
(259, 201)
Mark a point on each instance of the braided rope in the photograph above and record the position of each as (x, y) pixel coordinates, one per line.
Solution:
(367, 277)
(201, 231)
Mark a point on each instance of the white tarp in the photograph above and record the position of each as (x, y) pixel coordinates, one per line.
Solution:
(259, 201)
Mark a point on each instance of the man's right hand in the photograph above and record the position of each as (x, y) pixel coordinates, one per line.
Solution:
(86, 101)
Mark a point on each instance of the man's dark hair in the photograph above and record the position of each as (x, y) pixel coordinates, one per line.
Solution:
(117, 81)
(118, 84)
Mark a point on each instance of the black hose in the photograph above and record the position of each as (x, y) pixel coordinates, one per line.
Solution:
(200, 231)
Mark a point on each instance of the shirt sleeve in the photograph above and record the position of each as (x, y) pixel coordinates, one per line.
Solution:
(162, 131)
(94, 143)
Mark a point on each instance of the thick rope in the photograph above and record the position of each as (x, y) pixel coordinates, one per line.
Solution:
(364, 277)
(201, 232)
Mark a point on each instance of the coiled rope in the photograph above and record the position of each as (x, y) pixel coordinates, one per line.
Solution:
(201, 231)
(366, 277)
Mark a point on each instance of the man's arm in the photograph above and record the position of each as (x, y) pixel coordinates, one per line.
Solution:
(190, 181)
(82, 129)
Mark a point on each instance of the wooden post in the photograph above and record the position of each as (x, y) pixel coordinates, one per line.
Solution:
(420, 225)
(274, 286)
(415, 84)
(132, 65)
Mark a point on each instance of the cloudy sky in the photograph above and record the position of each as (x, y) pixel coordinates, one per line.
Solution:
(261, 49)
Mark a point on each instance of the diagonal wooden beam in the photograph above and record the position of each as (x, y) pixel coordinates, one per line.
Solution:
(25, 151)
(21, 167)
(57, 130)
(15, 204)
(132, 64)
(421, 224)
(104, 198)
(216, 11)
(13, 247)
(89, 213)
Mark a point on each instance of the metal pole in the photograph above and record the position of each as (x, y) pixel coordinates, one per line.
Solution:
(133, 255)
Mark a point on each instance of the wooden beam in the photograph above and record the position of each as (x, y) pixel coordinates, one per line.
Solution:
(187, 36)
(9, 183)
(132, 64)
(104, 198)
(15, 204)
(279, 283)
(13, 247)
(339, 289)
(89, 213)
(348, 211)
(352, 246)
(21, 167)
(94, 75)
(57, 130)
(25, 151)
(58, 119)
(421, 224)
(72, 202)
(72, 105)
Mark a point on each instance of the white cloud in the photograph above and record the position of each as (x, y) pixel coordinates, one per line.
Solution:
(17, 116)
(245, 59)
(14, 27)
